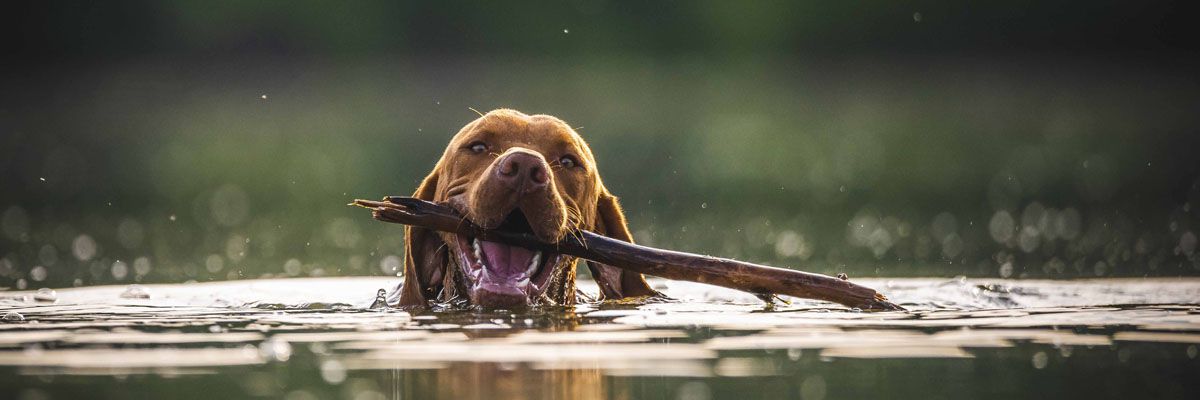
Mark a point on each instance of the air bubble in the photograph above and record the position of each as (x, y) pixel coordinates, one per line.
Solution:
(13, 316)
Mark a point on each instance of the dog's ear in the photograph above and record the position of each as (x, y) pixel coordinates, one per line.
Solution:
(614, 282)
(424, 256)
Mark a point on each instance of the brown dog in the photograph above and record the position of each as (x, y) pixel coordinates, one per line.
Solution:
(522, 172)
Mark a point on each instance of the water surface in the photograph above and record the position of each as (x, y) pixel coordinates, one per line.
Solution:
(318, 338)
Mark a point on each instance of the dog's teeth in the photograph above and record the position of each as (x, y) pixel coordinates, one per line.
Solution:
(478, 250)
(533, 264)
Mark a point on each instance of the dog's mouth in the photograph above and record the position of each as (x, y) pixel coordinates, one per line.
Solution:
(503, 276)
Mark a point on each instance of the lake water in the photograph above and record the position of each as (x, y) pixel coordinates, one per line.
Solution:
(317, 338)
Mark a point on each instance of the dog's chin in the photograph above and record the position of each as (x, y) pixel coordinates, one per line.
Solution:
(500, 276)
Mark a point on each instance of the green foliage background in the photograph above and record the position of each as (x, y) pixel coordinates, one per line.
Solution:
(175, 141)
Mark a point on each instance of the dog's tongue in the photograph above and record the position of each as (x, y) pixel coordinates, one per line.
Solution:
(504, 261)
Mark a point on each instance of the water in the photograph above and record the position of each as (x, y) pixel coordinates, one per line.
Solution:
(319, 338)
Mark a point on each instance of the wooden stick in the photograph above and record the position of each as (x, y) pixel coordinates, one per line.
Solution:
(733, 274)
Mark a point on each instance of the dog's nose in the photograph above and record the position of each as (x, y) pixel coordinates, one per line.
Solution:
(523, 171)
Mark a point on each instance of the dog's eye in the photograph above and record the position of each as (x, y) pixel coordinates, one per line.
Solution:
(478, 147)
(568, 162)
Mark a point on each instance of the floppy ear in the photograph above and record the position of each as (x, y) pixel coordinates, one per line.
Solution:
(424, 256)
(614, 282)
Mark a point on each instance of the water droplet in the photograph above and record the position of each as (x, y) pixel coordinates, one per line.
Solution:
(48, 255)
(1006, 270)
(83, 247)
(566, 31)
(120, 270)
(694, 390)
(235, 247)
(141, 266)
(13, 316)
(292, 267)
(130, 233)
(1187, 243)
(390, 265)
(380, 300)
(703, 205)
(1040, 360)
(46, 294)
(38, 273)
(300, 395)
(229, 205)
(214, 263)
(333, 371)
(15, 224)
(813, 388)
(33, 393)
(1002, 226)
(275, 349)
(135, 292)
(1029, 238)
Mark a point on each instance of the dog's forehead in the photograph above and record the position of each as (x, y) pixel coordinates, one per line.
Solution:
(536, 129)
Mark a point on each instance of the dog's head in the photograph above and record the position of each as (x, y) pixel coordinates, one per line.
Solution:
(529, 173)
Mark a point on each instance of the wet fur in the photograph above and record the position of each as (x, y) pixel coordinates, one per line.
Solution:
(576, 200)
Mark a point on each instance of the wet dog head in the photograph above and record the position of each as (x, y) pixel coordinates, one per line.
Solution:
(530, 173)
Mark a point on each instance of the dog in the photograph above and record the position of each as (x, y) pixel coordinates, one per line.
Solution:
(526, 173)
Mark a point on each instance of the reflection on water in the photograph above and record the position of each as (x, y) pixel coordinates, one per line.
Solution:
(315, 338)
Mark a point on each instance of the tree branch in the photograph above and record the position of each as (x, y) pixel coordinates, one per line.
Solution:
(733, 274)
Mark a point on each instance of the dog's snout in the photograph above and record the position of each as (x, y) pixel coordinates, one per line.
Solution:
(523, 171)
